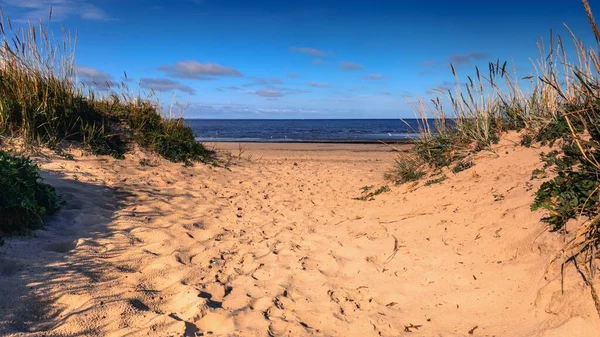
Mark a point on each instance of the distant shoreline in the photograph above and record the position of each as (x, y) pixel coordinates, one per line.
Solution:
(309, 147)
(304, 141)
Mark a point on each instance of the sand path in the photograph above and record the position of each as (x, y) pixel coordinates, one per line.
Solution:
(277, 246)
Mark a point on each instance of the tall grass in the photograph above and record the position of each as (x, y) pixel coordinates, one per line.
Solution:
(558, 104)
(41, 102)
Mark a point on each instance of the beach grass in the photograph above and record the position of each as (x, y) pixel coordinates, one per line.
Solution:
(560, 107)
(42, 102)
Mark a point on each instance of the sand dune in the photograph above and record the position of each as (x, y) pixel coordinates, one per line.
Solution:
(277, 246)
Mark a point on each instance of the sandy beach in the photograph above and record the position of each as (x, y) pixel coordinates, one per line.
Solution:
(276, 245)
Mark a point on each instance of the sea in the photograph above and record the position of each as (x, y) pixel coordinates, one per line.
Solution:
(304, 130)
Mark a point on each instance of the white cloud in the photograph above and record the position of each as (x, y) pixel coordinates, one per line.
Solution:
(318, 84)
(374, 77)
(94, 78)
(163, 84)
(199, 71)
(59, 10)
(350, 66)
(310, 51)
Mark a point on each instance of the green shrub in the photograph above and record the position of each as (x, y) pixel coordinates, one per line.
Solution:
(526, 140)
(24, 198)
(574, 190)
(556, 129)
(407, 168)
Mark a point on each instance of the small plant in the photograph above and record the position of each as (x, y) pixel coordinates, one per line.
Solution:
(463, 165)
(24, 198)
(407, 168)
(145, 162)
(526, 140)
(498, 197)
(368, 196)
(538, 174)
(68, 156)
(574, 190)
(436, 180)
(556, 129)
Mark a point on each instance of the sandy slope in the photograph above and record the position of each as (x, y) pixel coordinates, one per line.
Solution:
(277, 246)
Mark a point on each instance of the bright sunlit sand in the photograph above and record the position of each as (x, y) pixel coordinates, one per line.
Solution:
(276, 245)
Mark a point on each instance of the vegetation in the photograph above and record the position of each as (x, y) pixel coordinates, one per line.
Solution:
(41, 101)
(463, 165)
(407, 168)
(368, 194)
(560, 108)
(24, 198)
(438, 180)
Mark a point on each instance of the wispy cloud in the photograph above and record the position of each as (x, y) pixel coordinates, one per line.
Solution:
(461, 59)
(269, 93)
(257, 81)
(374, 77)
(355, 89)
(293, 75)
(310, 51)
(229, 88)
(164, 84)
(34, 10)
(199, 71)
(350, 66)
(443, 87)
(319, 61)
(276, 92)
(318, 84)
(428, 67)
(94, 78)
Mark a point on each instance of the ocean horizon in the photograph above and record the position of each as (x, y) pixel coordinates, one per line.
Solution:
(389, 130)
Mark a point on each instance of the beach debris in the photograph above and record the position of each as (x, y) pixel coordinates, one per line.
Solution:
(410, 327)
(395, 251)
(473, 330)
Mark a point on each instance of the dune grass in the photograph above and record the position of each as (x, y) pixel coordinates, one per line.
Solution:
(560, 106)
(41, 102)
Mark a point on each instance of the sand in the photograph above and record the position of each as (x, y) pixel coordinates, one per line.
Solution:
(275, 245)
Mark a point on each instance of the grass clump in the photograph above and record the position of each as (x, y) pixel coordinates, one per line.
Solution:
(369, 194)
(408, 168)
(24, 198)
(435, 180)
(42, 102)
(462, 165)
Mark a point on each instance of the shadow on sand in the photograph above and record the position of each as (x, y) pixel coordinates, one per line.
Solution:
(34, 270)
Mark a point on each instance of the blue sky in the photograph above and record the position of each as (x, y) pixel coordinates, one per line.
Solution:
(299, 59)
